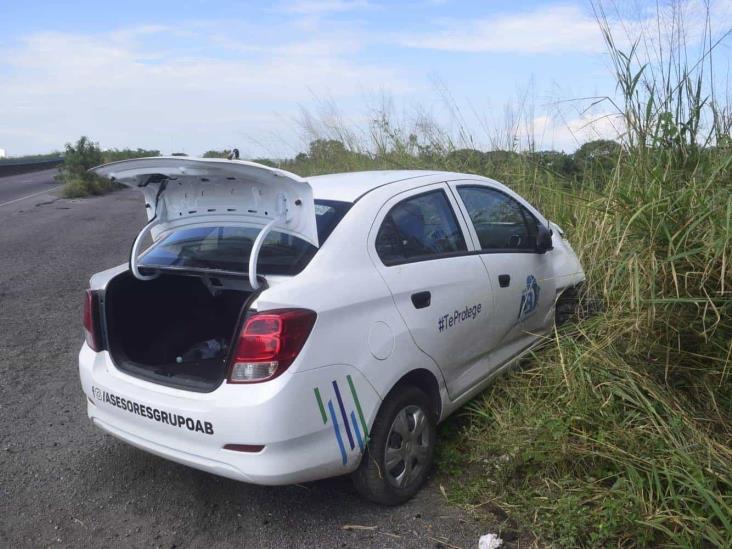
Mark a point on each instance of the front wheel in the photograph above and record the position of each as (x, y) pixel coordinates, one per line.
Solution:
(400, 450)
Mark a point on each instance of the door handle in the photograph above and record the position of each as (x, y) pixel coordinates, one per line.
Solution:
(420, 300)
(504, 281)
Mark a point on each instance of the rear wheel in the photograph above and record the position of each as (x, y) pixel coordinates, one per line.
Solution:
(400, 450)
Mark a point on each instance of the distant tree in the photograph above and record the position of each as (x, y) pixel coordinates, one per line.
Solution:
(217, 154)
(113, 155)
(499, 160)
(557, 162)
(601, 153)
(466, 160)
(265, 161)
(27, 158)
(596, 161)
(178, 154)
(326, 149)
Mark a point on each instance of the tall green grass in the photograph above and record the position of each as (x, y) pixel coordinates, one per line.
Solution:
(617, 431)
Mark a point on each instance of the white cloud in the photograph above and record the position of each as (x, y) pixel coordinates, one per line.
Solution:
(548, 29)
(316, 7)
(122, 91)
(565, 28)
(567, 133)
(213, 84)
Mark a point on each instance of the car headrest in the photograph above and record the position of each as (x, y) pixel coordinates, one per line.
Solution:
(410, 220)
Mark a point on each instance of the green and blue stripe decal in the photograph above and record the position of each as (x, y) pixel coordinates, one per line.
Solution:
(350, 423)
(320, 405)
(358, 407)
(343, 414)
(344, 456)
(357, 430)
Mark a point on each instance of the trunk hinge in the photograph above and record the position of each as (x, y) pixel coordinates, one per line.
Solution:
(283, 215)
(135, 250)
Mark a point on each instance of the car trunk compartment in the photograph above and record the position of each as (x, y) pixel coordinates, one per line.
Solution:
(175, 330)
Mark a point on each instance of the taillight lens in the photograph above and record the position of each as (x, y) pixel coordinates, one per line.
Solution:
(269, 342)
(90, 320)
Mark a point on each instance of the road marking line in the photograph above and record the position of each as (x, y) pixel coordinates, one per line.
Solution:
(29, 196)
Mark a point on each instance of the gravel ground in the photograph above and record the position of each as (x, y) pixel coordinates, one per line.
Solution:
(63, 482)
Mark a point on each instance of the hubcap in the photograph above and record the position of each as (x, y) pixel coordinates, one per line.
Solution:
(407, 446)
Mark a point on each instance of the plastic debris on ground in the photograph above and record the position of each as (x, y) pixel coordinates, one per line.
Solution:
(489, 541)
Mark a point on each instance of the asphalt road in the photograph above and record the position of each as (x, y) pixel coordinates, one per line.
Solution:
(16, 188)
(62, 482)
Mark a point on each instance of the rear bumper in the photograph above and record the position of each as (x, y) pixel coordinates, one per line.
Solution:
(302, 440)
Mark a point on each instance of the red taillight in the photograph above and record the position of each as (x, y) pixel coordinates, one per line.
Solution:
(269, 343)
(90, 321)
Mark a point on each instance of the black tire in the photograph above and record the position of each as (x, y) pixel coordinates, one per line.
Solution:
(416, 451)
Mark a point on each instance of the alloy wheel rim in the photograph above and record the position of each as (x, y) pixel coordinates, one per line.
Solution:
(407, 446)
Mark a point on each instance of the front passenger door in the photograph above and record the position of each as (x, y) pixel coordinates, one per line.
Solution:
(522, 278)
(421, 249)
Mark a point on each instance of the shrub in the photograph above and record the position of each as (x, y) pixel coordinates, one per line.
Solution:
(78, 159)
(79, 187)
(84, 155)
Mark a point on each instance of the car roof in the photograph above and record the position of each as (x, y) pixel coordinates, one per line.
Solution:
(350, 186)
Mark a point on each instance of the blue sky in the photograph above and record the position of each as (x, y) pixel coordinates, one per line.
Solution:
(193, 76)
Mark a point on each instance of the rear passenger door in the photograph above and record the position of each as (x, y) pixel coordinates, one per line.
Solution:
(522, 278)
(422, 249)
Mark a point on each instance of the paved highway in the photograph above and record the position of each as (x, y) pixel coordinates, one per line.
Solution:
(16, 188)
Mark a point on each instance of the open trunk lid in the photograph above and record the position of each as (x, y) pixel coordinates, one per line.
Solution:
(180, 192)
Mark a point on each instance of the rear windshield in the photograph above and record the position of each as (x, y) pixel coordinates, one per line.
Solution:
(228, 248)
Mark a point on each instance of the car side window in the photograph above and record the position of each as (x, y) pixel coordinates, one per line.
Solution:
(419, 227)
(500, 221)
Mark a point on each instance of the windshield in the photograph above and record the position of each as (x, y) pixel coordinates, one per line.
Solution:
(228, 248)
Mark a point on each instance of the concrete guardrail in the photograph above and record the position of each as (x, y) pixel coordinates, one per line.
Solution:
(12, 167)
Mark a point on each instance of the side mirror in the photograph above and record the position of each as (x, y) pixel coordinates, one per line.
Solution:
(544, 239)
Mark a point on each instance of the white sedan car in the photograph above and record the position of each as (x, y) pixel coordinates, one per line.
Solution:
(280, 329)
